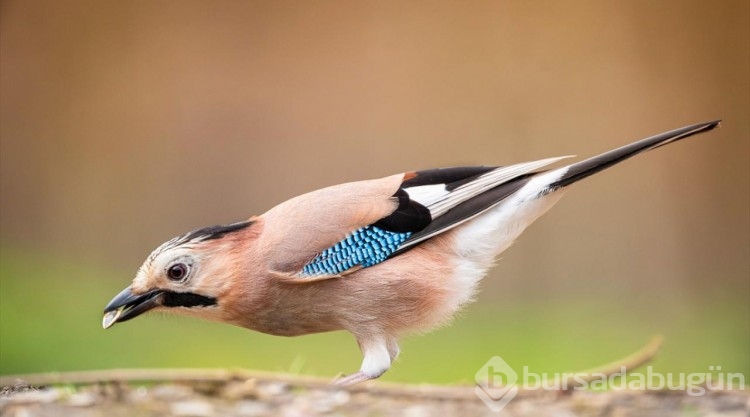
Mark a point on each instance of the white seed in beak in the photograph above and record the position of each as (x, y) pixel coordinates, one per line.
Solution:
(111, 317)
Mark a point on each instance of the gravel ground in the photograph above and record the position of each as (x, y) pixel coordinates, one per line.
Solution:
(285, 396)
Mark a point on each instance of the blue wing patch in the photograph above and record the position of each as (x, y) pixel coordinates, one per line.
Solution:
(365, 247)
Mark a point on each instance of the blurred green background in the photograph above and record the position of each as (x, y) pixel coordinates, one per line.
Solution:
(123, 124)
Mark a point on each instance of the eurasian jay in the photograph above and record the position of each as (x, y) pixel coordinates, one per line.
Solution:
(378, 258)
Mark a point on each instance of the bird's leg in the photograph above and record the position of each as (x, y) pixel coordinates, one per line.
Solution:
(393, 349)
(349, 380)
(378, 354)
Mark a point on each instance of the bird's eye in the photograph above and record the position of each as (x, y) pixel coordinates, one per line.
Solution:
(177, 272)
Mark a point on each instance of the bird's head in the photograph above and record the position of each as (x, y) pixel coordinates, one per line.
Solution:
(189, 274)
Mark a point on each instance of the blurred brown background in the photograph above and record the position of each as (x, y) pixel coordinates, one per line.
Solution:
(123, 124)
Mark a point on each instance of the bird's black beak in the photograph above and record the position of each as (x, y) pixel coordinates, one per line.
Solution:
(127, 305)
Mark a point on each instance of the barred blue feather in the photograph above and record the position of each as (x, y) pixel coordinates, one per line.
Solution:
(365, 247)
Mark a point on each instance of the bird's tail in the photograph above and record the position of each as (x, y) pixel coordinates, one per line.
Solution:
(583, 169)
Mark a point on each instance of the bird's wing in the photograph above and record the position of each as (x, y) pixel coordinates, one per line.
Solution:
(338, 230)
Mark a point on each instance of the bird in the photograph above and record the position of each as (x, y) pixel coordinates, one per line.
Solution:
(378, 258)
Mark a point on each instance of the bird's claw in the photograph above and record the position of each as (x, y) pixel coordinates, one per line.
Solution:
(349, 380)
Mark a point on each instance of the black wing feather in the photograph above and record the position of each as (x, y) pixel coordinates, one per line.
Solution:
(411, 216)
(444, 175)
(465, 211)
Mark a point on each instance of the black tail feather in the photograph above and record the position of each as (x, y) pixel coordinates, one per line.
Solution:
(583, 169)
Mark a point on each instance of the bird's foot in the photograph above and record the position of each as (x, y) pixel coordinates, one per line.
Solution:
(349, 380)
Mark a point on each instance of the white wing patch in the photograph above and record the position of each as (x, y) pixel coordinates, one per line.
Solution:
(427, 195)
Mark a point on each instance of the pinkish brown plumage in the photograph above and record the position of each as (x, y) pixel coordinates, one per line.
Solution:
(378, 258)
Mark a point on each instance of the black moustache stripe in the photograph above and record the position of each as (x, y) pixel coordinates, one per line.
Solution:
(186, 299)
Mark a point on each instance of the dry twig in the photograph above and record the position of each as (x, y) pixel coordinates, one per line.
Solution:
(631, 362)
